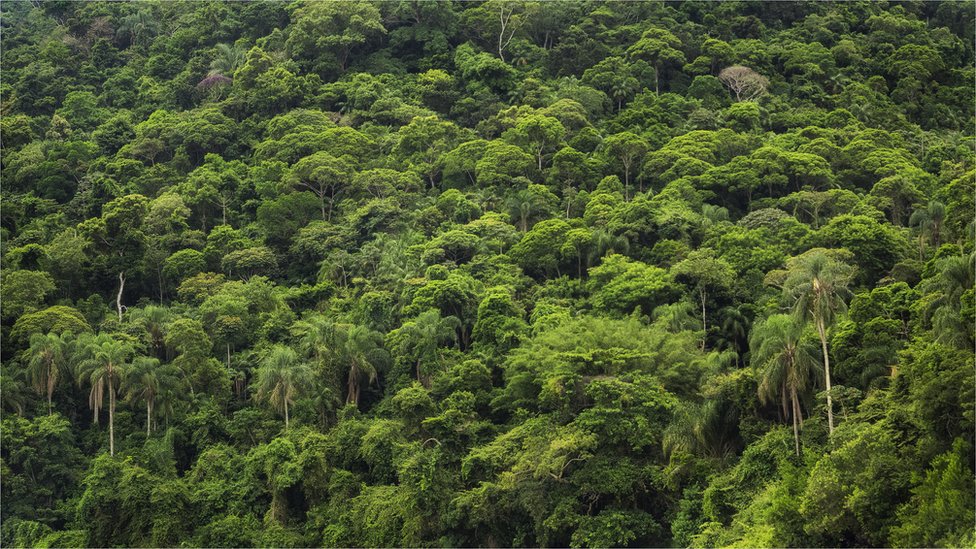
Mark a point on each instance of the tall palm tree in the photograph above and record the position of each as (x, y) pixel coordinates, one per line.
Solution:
(281, 378)
(929, 222)
(150, 382)
(425, 335)
(103, 365)
(786, 362)
(818, 286)
(363, 353)
(48, 356)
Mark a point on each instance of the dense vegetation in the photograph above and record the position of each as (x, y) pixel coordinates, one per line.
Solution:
(487, 274)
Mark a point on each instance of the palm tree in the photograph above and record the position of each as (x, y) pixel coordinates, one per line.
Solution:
(104, 366)
(319, 338)
(709, 429)
(956, 275)
(362, 351)
(227, 60)
(281, 378)
(606, 243)
(426, 334)
(15, 392)
(48, 355)
(929, 222)
(818, 286)
(525, 207)
(786, 362)
(138, 26)
(150, 382)
(677, 317)
(153, 319)
(735, 329)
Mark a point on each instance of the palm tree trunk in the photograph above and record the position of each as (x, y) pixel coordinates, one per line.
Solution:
(704, 322)
(148, 417)
(796, 419)
(822, 332)
(286, 414)
(111, 417)
(50, 388)
(353, 386)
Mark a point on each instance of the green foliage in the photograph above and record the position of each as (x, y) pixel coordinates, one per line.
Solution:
(512, 273)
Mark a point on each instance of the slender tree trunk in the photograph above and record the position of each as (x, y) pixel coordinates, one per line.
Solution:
(111, 416)
(148, 417)
(118, 298)
(822, 332)
(796, 418)
(704, 321)
(353, 387)
(286, 414)
(50, 388)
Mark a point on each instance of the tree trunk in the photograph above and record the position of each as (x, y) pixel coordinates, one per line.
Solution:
(704, 322)
(286, 414)
(796, 417)
(111, 416)
(118, 298)
(822, 332)
(148, 417)
(353, 387)
(50, 388)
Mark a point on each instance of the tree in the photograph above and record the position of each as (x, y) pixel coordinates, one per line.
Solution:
(950, 305)
(424, 335)
(336, 30)
(702, 272)
(929, 222)
(49, 355)
(658, 47)
(817, 286)
(786, 364)
(119, 235)
(627, 149)
(148, 380)
(423, 142)
(530, 205)
(103, 366)
(24, 291)
(227, 59)
(58, 319)
(281, 378)
(325, 175)
(613, 76)
(744, 82)
(363, 353)
(537, 133)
